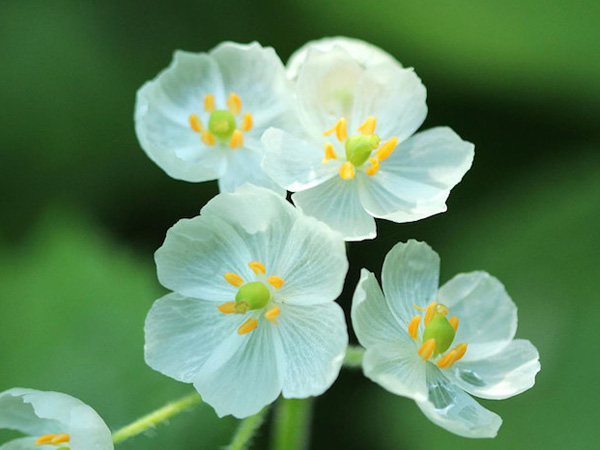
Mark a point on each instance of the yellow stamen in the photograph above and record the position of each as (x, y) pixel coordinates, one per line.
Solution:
(460, 350)
(237, 139)
(233, 279)
(447, 360)
(247, 122)
(234, 103)
(257, 267)
(347, 171)
(427, 349)
(272, 314)
(208, 138)
(430, 312)
(386, 149)
(227, 308)
(53, 439)
(274, 281)
(196, 123)
(329, 153)
(209, 103)
(454, 322)
(340, 130)
(413, 326)
(374, 167)
(368, 126)
(248, 326)
(45, 439)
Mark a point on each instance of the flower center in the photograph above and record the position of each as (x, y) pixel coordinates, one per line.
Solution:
(53, 439)
(222, 125)
(253, 296)
(438, 335)
(359, 147)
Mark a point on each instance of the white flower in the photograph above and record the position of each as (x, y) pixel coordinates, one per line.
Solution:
(253, 313)
(435, 360)
(356, 159)
(202, 118)
(51, 420)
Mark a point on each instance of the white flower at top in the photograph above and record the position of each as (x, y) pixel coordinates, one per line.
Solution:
(356, 159)
(202, 117)
(439, 346)
(252, 314)
(51, 421)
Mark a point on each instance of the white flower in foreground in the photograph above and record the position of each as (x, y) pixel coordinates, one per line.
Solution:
(253, 313)
(51, 420)
(435, 359)
(202, 118)
(356, 159)
(364, 53)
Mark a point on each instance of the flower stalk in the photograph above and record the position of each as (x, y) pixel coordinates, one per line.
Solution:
(247, 430)
(292, 424)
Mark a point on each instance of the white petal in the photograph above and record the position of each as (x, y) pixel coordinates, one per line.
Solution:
(363, 52)
(451, 408)
(181, 333)
(293, 162)
(487, 315)
(507, 373)
(314, 340)
(336, 202)
(415, 181)
(27, 443)
(410, 277)
(245, 374)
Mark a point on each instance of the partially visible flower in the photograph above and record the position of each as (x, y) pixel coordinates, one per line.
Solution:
(202, 117)
(356, 159)
(364, 53)
(413, 349)
(51, 420)
(252, 314)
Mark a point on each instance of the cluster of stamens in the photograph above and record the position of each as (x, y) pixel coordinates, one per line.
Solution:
(52, 439)
(222, 125)
(438, 335)
(360, 147)
(252, 296)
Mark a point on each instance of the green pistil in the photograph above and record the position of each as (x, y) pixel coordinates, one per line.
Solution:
(254, 295)
(221, 124)
(359, 148)
(440, 329)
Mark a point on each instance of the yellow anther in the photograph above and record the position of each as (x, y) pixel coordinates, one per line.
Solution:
(237, 139)
(248, 326)
(447, 360)
(454, 322)
(208, 138)
(209, 103)
(53, 439)
(368, 126)
(347, 171)
(272, 314)
(460, 350)
(196, 123)
(227, 308)
(247, 122)
(413, 326)
(430, 312)
(340, 130)
(257, 267)
(233, 279)
(374, 167)
(234, 103)
(274, 281)
(329, 153)
(427, 349)
(386, 149)
(45, 439)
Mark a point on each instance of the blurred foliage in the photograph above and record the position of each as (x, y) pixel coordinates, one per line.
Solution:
(520, 79)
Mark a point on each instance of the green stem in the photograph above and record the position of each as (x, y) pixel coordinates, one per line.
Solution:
(156, 417)
(246, 430)
(354, 357)
(292, 424)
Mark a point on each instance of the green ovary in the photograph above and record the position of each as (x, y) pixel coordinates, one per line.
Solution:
(439, 329)
(221, 124)
(255, 295)
(359, 148)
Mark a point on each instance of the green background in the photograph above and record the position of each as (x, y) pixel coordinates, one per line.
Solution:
(83, 208)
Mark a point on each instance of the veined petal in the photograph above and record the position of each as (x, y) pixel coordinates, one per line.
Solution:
(506, 373)
(488, 316)
(452, 409)
(314, 340)
(336, 202)
(27, 443)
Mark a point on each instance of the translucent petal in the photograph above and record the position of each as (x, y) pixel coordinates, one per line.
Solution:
(336, 202)
(454, 410)
(410, 277)
(314, 340)
(507, 373)
(181, 334)
(27, 443)
(488, 317)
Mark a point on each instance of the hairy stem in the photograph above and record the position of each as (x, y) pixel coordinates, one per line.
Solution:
(292, 424)
(246, 431)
